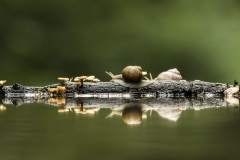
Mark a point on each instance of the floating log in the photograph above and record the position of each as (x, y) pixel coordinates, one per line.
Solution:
(163, 88)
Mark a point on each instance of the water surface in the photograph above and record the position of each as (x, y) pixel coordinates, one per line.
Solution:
(42, 131)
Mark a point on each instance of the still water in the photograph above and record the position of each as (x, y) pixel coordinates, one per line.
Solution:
(38, 131)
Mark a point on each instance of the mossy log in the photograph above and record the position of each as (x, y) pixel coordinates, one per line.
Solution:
(164, 88)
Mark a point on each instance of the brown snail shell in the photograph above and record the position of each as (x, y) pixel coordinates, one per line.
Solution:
(131, 77)
(171, 74)
(132, 74)
(132, 114)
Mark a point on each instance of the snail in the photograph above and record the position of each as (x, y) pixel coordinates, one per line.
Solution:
(132, 74)
(131, 77)
(171, 74)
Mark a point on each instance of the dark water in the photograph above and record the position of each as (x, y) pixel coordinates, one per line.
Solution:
(40, 131)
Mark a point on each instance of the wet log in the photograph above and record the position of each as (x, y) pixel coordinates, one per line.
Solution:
(164, 88)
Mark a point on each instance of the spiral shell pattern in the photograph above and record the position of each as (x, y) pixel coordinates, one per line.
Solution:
(171, 74)
(132, 74)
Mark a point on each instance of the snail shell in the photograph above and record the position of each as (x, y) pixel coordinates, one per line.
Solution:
(171, 74)
(132, 74)
(131, 77)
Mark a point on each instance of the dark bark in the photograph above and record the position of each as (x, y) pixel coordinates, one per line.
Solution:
(112, 89)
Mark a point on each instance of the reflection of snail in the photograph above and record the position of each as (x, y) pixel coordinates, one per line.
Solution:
(170, 114)
(131, 77)
(171, 74)
(132, 114)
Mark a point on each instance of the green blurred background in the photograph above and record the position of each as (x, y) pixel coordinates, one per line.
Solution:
(41, 40)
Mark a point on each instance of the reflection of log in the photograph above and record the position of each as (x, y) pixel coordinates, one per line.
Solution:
(152, 103)
(111, 89)
(132, 111)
